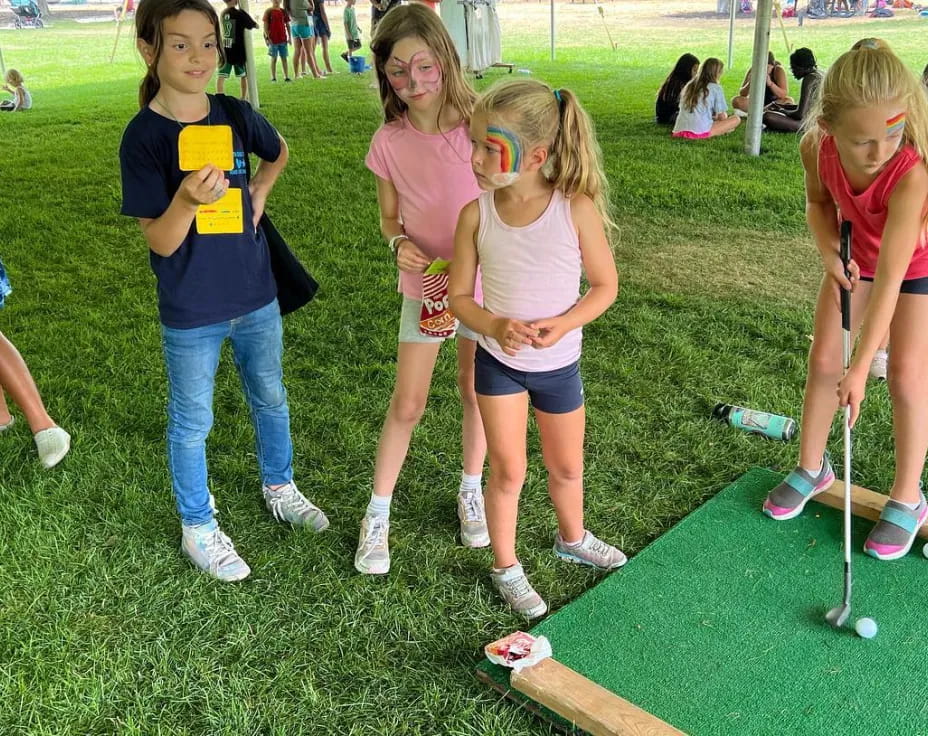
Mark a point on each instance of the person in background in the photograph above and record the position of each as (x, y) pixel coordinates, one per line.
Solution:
(21, 99)
(668, 96)
(703, 110)
(352, 32)
(776, 87)
(277, 37)
(234, 24)
(789, 118)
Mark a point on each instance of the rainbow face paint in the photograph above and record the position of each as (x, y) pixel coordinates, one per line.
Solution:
(510, 157)
(895, 124)
(418, 76)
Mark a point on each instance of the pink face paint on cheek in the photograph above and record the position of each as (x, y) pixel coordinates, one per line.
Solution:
(424, 73)
(421, 74)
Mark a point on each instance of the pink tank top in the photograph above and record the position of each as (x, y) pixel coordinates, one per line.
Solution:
(867, 210)
(531, 273)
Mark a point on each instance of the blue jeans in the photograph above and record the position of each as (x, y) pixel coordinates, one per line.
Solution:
(191, 357)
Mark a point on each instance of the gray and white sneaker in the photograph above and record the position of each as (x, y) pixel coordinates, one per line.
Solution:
(473, 520)
(878, 365)
(518, 592)
(288, 504)
(591, 551)
(213, 552)
(373, 555)
(52, 445)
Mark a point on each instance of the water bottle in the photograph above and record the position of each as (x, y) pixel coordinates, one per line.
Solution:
(771, 426)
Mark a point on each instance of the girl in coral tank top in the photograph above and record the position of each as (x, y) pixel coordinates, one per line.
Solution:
(864, 159)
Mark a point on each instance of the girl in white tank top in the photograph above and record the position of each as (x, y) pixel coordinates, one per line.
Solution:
(541, 221)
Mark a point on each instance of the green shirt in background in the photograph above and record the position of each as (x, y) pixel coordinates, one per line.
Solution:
(351, 24)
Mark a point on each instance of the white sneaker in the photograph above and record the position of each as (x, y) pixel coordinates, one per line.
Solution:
(8, 425)
(740, 114)
(590, 551)
(373, 555)
(288, 504)
(53, 444)
(473, 520)
(518, 592)
(878, 365)
(213, 552)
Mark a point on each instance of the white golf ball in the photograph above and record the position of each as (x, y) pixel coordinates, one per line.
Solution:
(925, 550)
(865, 628)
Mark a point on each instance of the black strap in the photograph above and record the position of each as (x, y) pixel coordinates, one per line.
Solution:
(234, 112)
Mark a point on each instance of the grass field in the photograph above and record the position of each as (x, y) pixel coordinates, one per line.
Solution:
(104, 628)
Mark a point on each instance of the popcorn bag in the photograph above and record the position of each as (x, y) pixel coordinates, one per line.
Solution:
(518, 650)
(435, 318)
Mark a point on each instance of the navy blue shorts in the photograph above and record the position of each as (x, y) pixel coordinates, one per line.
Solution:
(912, 286)
(553, 392)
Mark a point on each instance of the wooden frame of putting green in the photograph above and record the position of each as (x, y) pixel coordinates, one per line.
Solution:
(599, 711)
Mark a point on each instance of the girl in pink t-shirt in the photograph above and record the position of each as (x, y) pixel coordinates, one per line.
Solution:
(864, 158)
(421, 158)
(541, 220)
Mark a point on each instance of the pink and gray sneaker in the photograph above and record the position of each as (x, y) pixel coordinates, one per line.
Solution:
(788, 499)
(893, 535)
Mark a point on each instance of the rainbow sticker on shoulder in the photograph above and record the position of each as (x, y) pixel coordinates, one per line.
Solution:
(895, 124)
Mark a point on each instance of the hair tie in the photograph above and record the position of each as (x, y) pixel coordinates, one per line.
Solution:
(557, 96)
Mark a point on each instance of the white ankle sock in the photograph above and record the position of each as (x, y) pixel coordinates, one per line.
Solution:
(912, 506)
(379, 506)
(815, 473)
(470, 483)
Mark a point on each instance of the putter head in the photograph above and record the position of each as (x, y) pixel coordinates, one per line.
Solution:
(838, 615)
(600, 9)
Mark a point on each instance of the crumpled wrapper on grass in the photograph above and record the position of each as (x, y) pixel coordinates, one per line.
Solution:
(518, 650)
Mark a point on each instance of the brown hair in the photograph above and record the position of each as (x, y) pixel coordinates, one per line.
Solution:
(149, 27)
(698, 87)
(417, 20)
(542, 116)
(14, 77)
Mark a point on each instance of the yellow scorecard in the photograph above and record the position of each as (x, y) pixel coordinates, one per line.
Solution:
(199, 145)
(222, 217)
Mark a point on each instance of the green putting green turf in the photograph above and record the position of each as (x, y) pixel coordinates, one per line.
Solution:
(718, 626)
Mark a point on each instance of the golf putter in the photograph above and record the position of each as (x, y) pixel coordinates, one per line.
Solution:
(838, 615)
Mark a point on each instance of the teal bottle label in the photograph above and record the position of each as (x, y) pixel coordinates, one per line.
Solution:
(759, 422)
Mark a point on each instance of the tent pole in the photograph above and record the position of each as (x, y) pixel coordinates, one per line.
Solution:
(552, 30)
(758, 78)
(732, 10)
(252, 79)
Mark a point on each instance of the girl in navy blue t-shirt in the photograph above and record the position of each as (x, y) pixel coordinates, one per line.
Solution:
(212, 267)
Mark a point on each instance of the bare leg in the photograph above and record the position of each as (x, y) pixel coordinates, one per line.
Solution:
(244, 83)
(325, 54)
(562, 447)
(414, 366)
(274, 68)
(5, 416)
(505, 419)
(820, 401)
(311, 52)
(286, 68)
(721, 127)
(220, 85)
(908, 387)
(16, 380)
(473, 439)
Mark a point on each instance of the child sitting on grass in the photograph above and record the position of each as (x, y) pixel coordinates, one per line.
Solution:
(21, 99)
(703, 109)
